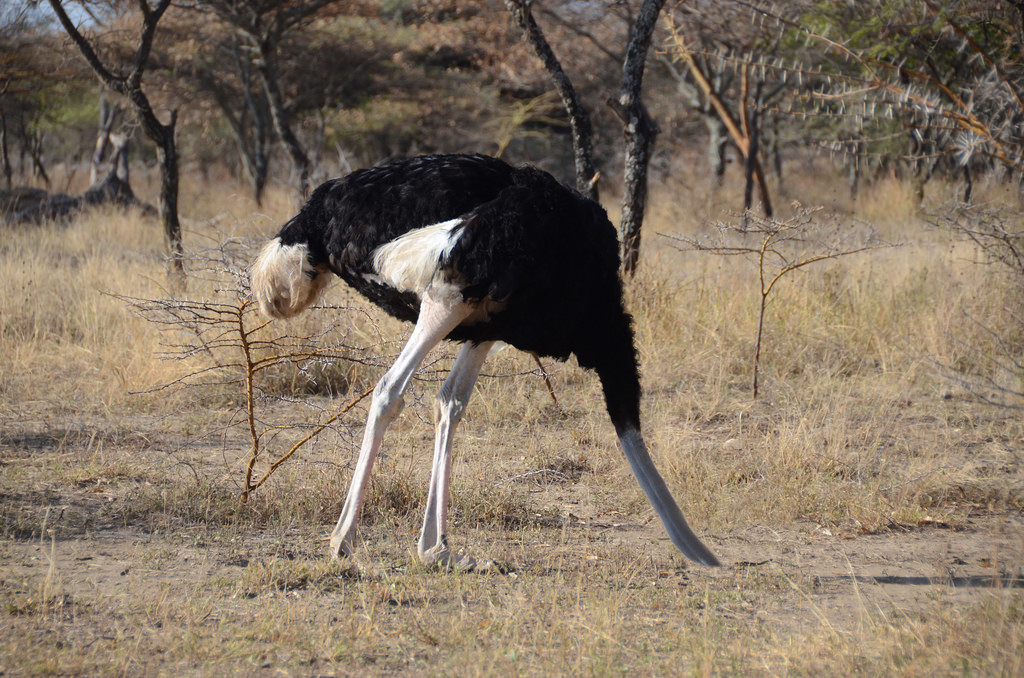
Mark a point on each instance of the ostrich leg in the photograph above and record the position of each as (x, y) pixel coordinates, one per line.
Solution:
(448, 409)
(437, 317)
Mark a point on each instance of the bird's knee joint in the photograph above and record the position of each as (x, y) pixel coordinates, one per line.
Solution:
(448, 408)
(387, 401)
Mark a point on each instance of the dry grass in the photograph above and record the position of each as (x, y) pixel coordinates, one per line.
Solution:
(883, 497)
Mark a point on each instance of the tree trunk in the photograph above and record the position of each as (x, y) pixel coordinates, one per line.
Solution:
(4, 152)
(251, 127)
(739, 136)
(754, 134)
(282, 123)
(261, 137)
(259, 177)
(121, 155)
(775, 149)
(130, 86)
(33, 144)
(640, 132)
(579, 119)
(167, 152)
(718, 142)
(853, 178)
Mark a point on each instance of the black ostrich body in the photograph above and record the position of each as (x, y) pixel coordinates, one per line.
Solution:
(346, 219)
(514, 255)
(524, 235)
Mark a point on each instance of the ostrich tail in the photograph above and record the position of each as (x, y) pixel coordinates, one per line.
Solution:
(283, 280)
(657, 492)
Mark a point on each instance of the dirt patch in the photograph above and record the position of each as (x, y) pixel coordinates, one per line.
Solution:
(127, 552)
(813, 577)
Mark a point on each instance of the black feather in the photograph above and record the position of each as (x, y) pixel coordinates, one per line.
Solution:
(545, 253)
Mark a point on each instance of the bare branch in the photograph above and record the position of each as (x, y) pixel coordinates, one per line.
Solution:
(579, 120)
(112, 81)
(762, 238)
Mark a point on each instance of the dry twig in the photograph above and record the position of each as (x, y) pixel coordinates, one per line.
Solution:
(778, 248)
(223, 342)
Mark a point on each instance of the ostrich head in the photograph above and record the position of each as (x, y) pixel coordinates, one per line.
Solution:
(284, 281)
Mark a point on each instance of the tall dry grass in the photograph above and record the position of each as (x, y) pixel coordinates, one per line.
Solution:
(854, 401)
(63, 341)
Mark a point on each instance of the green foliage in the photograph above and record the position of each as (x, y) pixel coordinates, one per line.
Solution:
(69, 105)
(938, 83)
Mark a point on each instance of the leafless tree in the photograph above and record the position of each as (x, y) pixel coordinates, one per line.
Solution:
(130, 87)
(639, 130)
(579, 118)
(638, 126)
(222, 340)
(717, 53)
(779, 248)
(230, 80)
(5, 156)
(21, 70)
(263, 25)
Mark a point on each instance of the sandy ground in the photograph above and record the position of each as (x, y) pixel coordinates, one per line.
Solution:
(67, 539)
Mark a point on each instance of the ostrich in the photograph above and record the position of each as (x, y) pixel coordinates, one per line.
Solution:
(474, 250)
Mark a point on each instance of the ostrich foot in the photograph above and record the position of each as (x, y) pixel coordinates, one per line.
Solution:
(442, 557)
